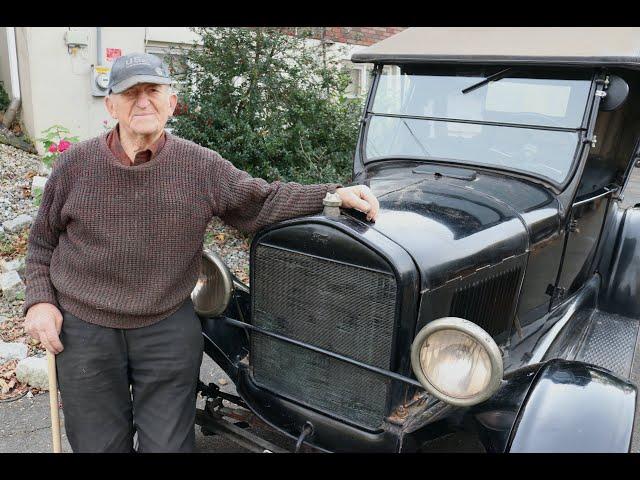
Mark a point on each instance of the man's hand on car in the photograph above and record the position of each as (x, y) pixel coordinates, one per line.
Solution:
(43, 323)
(361, 198)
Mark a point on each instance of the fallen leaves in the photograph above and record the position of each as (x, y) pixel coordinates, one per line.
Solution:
(242, 274)
(20, 243)
(12, 331)
(10, 387)
(8, 369)
(12, 246)
(5, 386)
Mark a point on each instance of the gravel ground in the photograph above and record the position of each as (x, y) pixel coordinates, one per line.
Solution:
(16, 171)
(231, 245)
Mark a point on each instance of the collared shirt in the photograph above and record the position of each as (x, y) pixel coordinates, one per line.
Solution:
(113, 141)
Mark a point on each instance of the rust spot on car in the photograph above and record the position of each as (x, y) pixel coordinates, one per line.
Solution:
(402, 412)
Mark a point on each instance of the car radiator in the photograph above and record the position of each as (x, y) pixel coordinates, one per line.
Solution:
(339, 307)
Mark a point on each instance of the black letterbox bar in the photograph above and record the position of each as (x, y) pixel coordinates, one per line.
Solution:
(386, 373)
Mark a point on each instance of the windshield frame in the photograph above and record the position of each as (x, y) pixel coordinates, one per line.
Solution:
(550, 72)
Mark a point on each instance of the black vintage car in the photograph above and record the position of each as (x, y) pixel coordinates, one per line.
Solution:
(494, 305)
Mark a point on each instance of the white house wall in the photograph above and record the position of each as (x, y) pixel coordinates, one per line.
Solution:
(5, 76)
(55, 82)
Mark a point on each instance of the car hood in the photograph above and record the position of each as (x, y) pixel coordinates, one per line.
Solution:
(454, 225)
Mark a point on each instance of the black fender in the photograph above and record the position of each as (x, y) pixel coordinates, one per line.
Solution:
(575, 407)
(481, 428)
(621, 268)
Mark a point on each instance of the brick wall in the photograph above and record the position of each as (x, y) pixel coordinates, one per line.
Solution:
(360, 35)
(352, 35)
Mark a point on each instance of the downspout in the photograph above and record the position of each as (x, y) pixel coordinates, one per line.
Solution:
(12, 110)
(99, 45)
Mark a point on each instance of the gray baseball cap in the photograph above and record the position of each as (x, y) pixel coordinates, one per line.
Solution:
(134, 68)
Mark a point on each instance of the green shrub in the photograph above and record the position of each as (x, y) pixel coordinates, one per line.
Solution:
(270, 103)
(4, 99)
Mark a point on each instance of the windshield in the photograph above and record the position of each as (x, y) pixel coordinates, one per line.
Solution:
(517, 121)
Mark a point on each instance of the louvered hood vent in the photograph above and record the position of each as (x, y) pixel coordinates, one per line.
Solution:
(489, 302)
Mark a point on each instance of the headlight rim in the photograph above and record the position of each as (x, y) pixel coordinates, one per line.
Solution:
(225, 278)
(479, 335)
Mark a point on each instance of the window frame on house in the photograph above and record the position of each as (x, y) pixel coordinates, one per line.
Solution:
(162, 50)
(165, 49)
(365, 76)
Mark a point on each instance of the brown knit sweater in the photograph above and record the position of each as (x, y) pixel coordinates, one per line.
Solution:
(121, 246)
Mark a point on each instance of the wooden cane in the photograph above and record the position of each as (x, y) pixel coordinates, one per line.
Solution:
(53, 402)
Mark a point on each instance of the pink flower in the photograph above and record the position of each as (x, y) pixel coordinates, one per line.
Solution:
(64, 144)
(53, 148)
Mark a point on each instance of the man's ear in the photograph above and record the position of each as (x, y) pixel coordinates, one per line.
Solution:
(108, 103)
(173, 101)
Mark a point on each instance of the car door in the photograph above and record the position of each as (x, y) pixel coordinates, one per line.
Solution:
(583, 233)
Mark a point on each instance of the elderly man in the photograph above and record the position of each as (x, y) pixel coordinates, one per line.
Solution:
(115, 252)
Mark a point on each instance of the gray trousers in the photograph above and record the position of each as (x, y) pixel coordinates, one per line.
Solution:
(115, 382)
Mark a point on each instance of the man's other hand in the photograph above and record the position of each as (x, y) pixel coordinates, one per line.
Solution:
(361, 198)
(44, 322)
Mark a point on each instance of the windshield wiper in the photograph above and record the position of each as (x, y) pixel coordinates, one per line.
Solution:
(416, 138)
(490, 78)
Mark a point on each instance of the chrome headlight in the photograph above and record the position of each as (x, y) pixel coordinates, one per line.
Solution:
(457, 361)
(212, 292)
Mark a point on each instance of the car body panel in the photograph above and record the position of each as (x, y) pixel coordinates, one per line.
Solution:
(575, 407)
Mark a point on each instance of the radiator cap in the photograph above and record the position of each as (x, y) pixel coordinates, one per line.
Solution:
(331, 204)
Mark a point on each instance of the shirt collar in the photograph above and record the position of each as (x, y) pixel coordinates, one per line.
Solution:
(143, 156)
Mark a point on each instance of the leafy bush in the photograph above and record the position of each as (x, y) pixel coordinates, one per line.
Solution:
(271, 103)
(4, 99)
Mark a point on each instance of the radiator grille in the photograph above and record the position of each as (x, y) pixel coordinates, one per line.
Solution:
(342, 308)
(489, 302)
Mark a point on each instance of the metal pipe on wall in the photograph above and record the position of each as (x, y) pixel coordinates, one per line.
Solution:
(99, 45)
(12, 110)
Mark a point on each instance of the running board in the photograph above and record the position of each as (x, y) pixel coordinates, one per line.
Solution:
(634, 378)
(610, 341)
(600, 338)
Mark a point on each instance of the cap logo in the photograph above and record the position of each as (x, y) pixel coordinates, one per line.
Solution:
(134, 61)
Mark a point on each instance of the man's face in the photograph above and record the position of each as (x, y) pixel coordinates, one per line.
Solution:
(142, 109)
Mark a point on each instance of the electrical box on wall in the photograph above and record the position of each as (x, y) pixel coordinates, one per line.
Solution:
(76, 38)
(99, 80)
